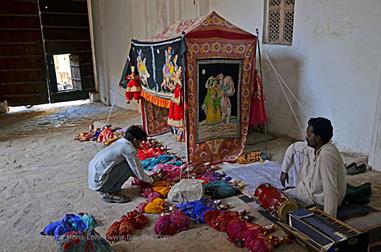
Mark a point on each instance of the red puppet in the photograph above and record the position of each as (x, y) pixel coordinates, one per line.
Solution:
(176, 109)
(133, 88)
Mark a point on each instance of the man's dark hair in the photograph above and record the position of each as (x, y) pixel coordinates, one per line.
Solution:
(322, 127)
(135, 132)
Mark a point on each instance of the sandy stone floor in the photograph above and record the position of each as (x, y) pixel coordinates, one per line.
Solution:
(44, 175)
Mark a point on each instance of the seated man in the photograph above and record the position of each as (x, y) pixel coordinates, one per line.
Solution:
(113, 165)
(321, 179)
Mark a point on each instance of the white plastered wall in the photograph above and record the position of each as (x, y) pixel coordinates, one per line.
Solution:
(333, 68)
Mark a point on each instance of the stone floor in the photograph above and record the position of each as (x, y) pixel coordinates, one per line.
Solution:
(44, 176)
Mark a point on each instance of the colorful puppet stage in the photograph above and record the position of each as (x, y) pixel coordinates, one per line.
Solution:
(202, 72)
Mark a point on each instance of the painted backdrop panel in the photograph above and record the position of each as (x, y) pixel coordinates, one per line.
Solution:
(218, 84)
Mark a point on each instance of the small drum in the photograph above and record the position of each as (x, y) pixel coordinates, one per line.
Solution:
(274, 201)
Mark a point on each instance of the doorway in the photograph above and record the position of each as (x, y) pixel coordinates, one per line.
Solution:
(67, 72)
(36, 37)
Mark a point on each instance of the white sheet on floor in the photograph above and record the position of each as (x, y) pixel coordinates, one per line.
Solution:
(255, 174)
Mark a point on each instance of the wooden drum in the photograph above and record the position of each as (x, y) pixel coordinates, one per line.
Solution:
(274, 201)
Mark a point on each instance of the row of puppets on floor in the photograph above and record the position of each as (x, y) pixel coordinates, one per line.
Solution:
(185, 195)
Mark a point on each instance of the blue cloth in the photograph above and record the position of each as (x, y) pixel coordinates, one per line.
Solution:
(197, 209)
(70, 222)
(220, 189)
(149, 163)
(89, 221)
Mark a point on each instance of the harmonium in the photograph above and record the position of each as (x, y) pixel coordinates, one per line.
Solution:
(319, 231)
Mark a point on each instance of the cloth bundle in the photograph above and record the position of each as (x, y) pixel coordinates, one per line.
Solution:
(218, 219)
(172, 223)
(158, 189)
(210, 177)
(220, 189)
(125, 227)
(149, 163)
(75, 241)
(168, 172)
(70, 222)
(161, 187)
(105, 134)
(186, 190)
(150, 148)
(156, 206)
(149, 153)
(150, 195)
(153, 194)
(197, 209)
(243, 233)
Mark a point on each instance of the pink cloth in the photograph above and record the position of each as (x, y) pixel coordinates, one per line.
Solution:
(172, 223)
(141, 207)
(169, 172)
(242, 233)
(153, 195)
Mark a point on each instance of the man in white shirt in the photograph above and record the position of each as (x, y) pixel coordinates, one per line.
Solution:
(113, 165)
(293, 161)
(321, 180)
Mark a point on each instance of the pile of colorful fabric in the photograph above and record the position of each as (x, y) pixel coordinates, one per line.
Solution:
(124, 228)
(242, 233)
(70, 222)
(150, 148)
(169, 172)
(105, 134)
(76, 232)
(149, 163)
(197, 209)
(188, 185)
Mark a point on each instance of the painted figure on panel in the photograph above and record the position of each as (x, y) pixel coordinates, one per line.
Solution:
(212, 101)
(227, 88)
(169, 68)
(142, 68)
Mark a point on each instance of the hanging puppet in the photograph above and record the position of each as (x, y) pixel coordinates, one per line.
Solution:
(133, 88)
(176, 109)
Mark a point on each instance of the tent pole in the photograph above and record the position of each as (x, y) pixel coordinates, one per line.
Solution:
(260, 73)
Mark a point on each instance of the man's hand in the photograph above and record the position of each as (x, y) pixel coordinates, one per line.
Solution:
(284, 178)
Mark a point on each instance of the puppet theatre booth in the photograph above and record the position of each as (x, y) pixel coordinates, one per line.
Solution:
(198, 79)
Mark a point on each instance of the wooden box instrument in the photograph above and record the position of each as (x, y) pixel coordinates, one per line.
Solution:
(322, 232)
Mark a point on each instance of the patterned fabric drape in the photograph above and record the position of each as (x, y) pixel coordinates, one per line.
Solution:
(226, 122)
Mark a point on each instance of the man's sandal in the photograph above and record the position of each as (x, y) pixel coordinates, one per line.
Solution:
(115, 198)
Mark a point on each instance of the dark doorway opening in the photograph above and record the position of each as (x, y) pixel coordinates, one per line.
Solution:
(32, 34)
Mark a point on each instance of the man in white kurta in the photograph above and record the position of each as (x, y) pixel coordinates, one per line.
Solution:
(321, 179)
